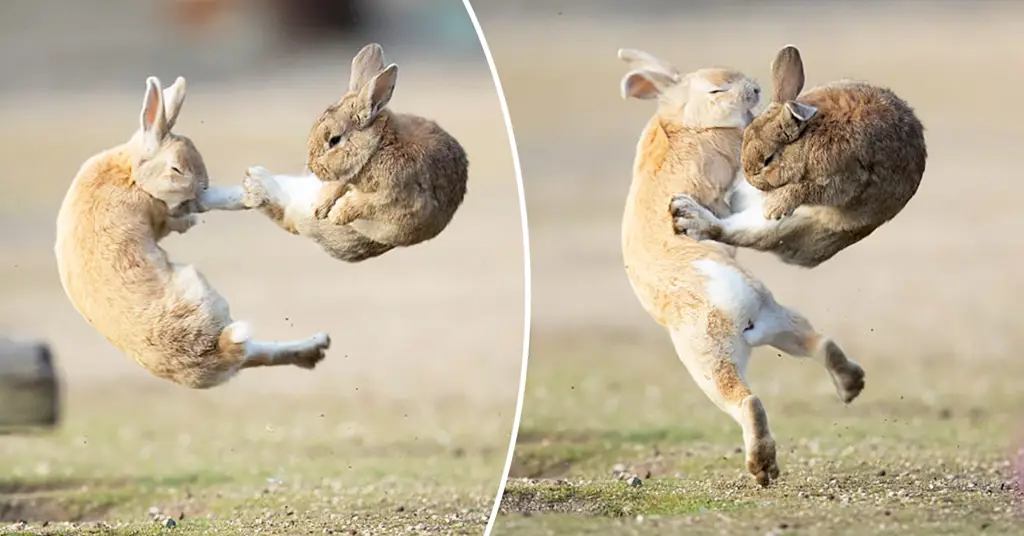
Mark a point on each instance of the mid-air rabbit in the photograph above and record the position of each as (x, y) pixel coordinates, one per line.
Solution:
(164, 315)
(376, 179)
(714, 310)
(823, 169)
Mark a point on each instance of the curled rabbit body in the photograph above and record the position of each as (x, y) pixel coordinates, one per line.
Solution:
(714, 310)
(824, 169)
(164, 315)
(376, 179)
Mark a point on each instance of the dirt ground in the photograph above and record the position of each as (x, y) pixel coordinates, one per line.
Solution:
(403, 428)
(927, 304)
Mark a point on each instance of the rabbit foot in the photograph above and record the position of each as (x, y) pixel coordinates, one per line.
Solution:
(761, 461)
(777, 207)
(309, 357)
(181, 224)
(341, 213)
(256, 194)
(849, 381)
(691, 219)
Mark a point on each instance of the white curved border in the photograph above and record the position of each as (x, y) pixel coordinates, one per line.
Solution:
(526, 261)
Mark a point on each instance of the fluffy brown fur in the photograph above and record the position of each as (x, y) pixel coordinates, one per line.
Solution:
(390, 179)
(163, 315)
(713, 309)
(851, 154)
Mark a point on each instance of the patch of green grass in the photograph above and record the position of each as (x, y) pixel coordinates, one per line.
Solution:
(247, 464)
(614, 499)
(925, 450)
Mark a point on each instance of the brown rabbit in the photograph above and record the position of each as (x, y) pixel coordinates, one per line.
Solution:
(834, 164)
(377, 179)
(713, 309)
(164, 315)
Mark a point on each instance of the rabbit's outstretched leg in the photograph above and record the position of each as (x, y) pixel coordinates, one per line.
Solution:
(221, 198)
(791, 332)
(720, 374)
(285, 199)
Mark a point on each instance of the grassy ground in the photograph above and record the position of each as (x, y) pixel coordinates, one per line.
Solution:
(252, 464)
(925, 450)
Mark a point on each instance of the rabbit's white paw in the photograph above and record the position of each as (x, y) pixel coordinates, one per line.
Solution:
(255, 188)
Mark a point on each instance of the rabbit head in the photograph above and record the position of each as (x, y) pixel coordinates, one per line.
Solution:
(707, 98)
(350, 131)
(780, 125)
(167, 166)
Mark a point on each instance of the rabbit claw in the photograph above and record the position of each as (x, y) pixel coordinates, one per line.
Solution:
(691, 219)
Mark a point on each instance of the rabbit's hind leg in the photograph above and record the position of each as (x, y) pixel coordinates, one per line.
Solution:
(791, 332)
(305, 353)
(720, 373)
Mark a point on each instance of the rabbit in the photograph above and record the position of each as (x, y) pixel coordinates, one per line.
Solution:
(375, 179)
(823, 169)
(162, 314)
(714, 310)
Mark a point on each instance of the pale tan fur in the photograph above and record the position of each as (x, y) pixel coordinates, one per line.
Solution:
(389, 179)
(163, 315)
(714, 310)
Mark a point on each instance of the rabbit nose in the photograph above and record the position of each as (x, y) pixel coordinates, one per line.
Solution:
(753, 93)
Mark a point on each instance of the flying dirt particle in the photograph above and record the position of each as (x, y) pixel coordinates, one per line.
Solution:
(881, 473)
(400, 508)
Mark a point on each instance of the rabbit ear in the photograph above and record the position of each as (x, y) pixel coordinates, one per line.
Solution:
(801, 112)
(640, 60)
(377, 93)
(367, 63)
(153, 118)
(644, 85)
(174, 96)
(787, 74)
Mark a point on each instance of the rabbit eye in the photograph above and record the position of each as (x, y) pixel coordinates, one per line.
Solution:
(333, 141)
(717, 90)
(768, 161)
(177, 170)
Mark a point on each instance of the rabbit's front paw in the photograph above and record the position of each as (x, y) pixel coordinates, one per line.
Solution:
(255, 192)
(341, 212)
(691, 219)
(777, 207)
(314, 352)
(331, 193)
(182, 224)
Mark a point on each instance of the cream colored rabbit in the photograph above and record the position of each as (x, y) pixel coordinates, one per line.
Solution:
(713, 309)
(164, 315)
(377, 179)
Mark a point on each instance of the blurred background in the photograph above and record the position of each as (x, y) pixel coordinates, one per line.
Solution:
(929, 303)
(418, 392)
